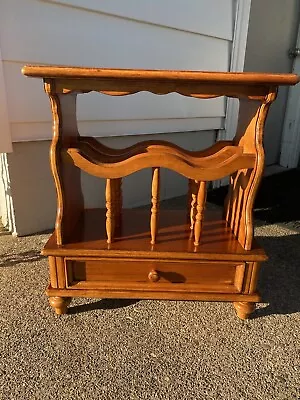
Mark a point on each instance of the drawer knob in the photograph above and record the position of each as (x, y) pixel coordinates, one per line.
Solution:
(153, 276)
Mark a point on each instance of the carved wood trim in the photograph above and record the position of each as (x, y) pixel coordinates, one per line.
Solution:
(66, 177)
(215, 166)
(244, 183)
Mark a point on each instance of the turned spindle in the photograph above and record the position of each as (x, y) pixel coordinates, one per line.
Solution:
(110, 223)
(201, 197)
(194, 186)
(155, 204)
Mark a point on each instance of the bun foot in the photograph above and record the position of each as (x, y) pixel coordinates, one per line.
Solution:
(243, 309)
(60, 304)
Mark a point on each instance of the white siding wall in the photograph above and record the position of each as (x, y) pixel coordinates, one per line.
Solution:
(170, 34)
(194, 34)
(273, 26)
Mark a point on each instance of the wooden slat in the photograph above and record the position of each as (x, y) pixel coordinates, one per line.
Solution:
(244, 183)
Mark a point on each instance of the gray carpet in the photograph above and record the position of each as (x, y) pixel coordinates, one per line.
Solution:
(114, 349)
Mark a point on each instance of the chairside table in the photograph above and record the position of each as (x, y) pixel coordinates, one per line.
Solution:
(195, 254)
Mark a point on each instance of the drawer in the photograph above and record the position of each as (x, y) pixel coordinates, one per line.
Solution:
(209, 276)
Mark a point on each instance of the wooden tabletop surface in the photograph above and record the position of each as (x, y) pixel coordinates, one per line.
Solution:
(248, 78)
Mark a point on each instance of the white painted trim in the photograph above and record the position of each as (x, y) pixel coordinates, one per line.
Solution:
(237, 61)
(7, 207)
(236, 65)
(290, 142)
(5, 137)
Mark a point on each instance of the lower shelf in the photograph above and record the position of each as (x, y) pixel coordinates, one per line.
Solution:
(174, 240)
(219, 269)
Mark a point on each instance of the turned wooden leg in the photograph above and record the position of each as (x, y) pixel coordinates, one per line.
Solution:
(60, 304)
(243, 309)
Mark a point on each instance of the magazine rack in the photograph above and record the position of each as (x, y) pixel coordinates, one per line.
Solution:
(195, 254)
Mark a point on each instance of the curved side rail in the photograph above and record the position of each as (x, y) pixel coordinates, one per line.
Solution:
(208, 167)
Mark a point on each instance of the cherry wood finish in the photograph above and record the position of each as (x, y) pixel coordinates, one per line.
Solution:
(195, 254)
(174, 241)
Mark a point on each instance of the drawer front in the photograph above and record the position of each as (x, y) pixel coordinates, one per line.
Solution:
(207, 276)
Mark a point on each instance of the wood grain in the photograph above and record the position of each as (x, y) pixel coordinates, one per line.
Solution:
(90, 273)
(217, 243)
(194, 187)
(107, 253)
(226, 161)
(201, 198)
(244, 183)
(155, 204)
(151, 294)
(250, 78)
(66, 177)
(110, 217)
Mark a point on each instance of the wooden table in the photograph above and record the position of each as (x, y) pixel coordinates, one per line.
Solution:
(161, 254)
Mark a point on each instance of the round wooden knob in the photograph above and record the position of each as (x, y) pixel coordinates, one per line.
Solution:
(153, 276)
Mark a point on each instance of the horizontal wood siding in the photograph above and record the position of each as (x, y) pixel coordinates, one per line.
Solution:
(5, 137)
(187, 15)
(177, 34)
